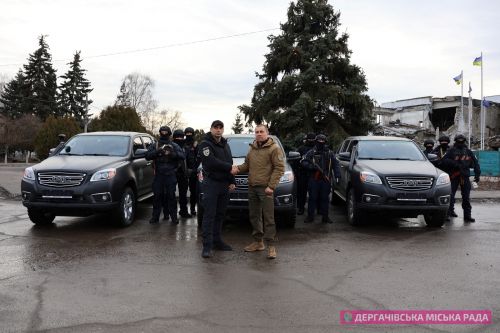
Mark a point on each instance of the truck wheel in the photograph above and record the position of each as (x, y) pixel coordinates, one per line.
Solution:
(435, 220)
(125, 212)
(39, 217)
(354, 215)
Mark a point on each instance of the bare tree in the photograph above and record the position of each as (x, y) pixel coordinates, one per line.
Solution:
(137, 92)
(171, 118)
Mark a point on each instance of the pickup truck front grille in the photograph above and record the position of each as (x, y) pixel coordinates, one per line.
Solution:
(410, 183)
(241, 182)
(61, 179)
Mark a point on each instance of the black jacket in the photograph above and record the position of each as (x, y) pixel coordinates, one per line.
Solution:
(324, 159)
(461, 161)
(165, 164)
(216, 159)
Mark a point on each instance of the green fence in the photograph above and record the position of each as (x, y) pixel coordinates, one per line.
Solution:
(489, 162)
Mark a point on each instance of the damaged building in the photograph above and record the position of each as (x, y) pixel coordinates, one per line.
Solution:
(428, 117)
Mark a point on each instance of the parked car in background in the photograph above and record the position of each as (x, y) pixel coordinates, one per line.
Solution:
(99, 172)
(391, 176)
(285, 201)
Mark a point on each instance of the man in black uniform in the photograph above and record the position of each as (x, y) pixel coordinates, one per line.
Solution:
(166, 156)
(303, 174)
(324, 168)
(461, 159)
(60, 146)
(191, 150)
(440, 151)
(217, 162)
(182, 175)
(428, 146)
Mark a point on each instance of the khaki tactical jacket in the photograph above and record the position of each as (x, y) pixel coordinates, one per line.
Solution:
(265, 164)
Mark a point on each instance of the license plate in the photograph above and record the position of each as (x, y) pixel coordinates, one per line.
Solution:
(411, 196)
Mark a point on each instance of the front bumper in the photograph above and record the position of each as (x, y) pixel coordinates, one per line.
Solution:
(83, 200)
(379, 198)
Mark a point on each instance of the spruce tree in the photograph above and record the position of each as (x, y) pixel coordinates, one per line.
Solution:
(238, 125)
(73, 90)
(14, 97)
(308, 82)
(41, 80)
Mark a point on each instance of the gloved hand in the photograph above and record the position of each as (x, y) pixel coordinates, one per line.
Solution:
(476, 179)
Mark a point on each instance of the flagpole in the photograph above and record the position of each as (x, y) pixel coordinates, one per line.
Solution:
(461, 119)
(483, 122)
(470, 116)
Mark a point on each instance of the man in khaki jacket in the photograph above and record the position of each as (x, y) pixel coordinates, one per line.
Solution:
(265, 165)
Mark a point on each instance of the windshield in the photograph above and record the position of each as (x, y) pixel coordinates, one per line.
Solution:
(389, 150)
(97, 145)
(239, 146)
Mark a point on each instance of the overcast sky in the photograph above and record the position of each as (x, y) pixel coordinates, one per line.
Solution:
(407, 49)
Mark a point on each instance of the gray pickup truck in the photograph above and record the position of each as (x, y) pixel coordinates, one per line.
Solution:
(393, 177)
(100, 172)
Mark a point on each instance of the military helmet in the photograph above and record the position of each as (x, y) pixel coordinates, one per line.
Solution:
(311, 136)
(178, 133)
(460, 138)
(321, 137)
(444, 138)
(166, 129)
(429, 142)
(189, 130)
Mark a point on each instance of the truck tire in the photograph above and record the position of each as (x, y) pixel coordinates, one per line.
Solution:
(354, 215)
(125, 212)
(40, 217)
(435, 220)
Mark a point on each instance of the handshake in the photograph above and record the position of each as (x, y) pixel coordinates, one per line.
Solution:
(235, 170)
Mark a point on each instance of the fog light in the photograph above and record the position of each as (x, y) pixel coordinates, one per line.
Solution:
(102, 197)
(26, 195)
(444, 200)
(285, 199)
(370, 198)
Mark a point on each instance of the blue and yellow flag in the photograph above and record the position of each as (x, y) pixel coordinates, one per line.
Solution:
(486, 103)
(458, 79)
(478, 61)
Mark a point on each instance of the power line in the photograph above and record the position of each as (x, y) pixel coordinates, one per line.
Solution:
(164, 46)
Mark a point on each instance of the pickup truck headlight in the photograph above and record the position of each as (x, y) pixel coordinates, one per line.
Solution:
(369, 177)
(29, 174)
(105, 174)
(443, 179)
(287, 177)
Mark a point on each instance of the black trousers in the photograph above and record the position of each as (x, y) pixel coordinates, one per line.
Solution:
(164, 195)
(193, 190)
(182, 183)
(465, 187)
(215, 200)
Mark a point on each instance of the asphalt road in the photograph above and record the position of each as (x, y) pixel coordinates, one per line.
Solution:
(84, 275)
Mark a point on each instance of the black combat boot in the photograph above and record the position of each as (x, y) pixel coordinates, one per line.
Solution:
(469, 219)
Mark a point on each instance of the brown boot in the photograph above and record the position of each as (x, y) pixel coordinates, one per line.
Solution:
(271, 254)
(255, 246)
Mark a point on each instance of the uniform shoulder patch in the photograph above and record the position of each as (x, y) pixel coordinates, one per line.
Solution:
(206, 151)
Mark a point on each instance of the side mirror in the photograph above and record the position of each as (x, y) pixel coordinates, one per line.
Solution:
(432, 157)
(293, 156)
(140, 153)
(345, 156)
